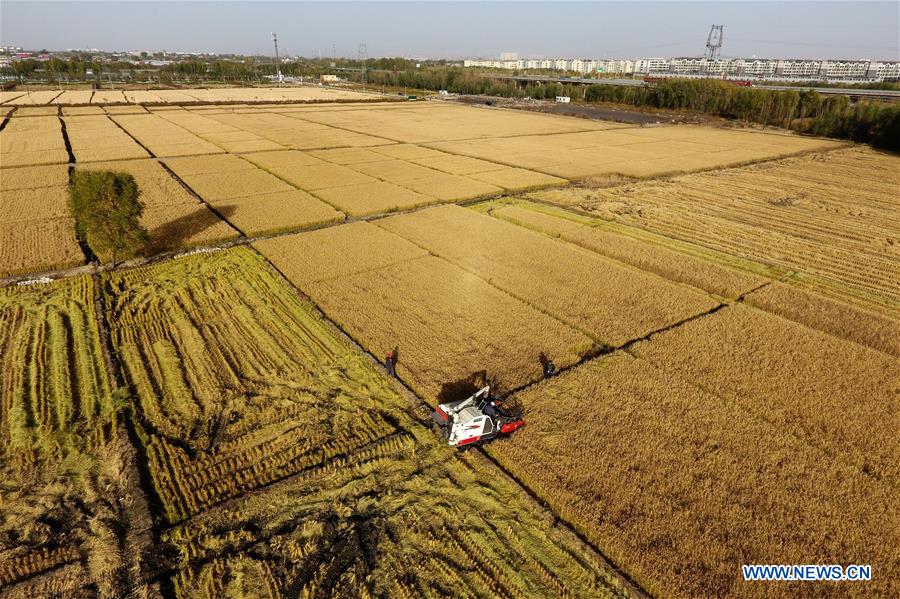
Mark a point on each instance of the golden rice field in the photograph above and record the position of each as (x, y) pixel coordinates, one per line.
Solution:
(727, 334)
(681, 484)
(318, 164)
(606, 300)
(831, 218)
(36, 231)
(452, 329)
(174, 96)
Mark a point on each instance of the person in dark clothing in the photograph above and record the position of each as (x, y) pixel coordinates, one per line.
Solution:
(547, 365)
(390, 362)
(549, 369)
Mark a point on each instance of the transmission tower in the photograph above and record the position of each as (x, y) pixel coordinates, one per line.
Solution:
(363, 56)
(714, 41)
(277, 59)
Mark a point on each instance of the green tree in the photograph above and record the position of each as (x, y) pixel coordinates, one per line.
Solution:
(106, 207)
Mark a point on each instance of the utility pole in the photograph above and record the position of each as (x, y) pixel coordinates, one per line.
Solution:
(277, 60)
(363, 56)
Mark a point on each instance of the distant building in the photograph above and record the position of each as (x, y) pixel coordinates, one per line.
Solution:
(329, 79)
(691, 66)
(885, 71)
(651, 65)
(808, 69)
(504, 56)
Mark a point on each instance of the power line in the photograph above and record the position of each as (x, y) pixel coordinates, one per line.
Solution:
(814, 45)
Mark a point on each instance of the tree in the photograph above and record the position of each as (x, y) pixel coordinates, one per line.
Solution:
(107, 209)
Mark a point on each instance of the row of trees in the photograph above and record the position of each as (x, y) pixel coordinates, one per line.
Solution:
(807, 111)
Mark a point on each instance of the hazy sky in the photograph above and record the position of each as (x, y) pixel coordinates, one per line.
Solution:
(462, 29)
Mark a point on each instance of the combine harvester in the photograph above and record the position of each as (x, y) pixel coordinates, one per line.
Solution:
(474, 420)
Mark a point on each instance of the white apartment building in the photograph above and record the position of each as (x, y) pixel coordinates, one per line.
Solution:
(799, 68)
(885, 70)
(651, 65)
(700, 65)
(753, 68)
(615, 66)
(839, 69)
(756, 67)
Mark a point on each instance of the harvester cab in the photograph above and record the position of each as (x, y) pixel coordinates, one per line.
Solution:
(475, 420)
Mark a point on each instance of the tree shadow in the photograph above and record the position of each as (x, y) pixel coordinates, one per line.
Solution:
(178, 233)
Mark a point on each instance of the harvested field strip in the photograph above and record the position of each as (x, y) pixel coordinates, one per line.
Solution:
(773, 368)
(54, 387)
(825, 215)
(421, 548)
(683, 484)
(830, 316)
(612, 302)
(279, 453)
(701, 270)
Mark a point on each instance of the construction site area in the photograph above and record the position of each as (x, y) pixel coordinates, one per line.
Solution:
(690, 337)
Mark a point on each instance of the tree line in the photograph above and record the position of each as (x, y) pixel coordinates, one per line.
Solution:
(806, 111)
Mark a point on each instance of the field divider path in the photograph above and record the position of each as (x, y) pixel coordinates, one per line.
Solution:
(51, 100)
(420, 409)
(89, 256)
(93, 268)
(6, 118)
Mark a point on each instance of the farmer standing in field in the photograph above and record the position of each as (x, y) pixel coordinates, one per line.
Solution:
(390, 362)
